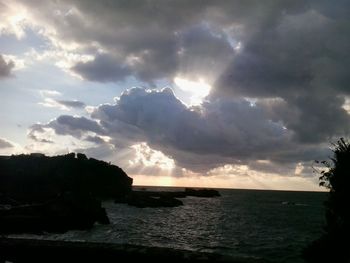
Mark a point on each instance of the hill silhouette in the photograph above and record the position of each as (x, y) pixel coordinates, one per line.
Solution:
(40, 194)
(37, 178)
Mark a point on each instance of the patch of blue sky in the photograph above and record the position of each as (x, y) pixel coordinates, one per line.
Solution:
(20, 96)
(10, 44)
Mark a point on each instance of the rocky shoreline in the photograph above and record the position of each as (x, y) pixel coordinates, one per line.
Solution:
(67, 211)
(40, 194)
(56, 194)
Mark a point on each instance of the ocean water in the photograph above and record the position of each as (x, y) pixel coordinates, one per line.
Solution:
(254, 224)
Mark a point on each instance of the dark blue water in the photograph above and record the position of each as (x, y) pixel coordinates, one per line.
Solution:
(273, 225)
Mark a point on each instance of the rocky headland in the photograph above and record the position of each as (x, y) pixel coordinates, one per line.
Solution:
(54, 194)
(39, 193)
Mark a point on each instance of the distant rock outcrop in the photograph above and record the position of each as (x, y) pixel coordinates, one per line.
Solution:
(143, 199)
(36, 178)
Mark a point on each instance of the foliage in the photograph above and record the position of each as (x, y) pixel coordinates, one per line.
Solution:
(337, 179)
(334, 245)
(337, 168)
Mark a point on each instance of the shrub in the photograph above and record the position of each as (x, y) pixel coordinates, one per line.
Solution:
(334, 244)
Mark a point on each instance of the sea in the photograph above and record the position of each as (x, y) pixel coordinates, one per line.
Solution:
(250, 224)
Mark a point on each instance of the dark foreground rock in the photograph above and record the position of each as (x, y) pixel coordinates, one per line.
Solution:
(37, 178)
(329, 248)
(56, 194)
(66, 212)
(143, 199)
(32, 250)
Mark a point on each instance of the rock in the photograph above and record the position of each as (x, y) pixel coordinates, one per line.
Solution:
(36, 178)
(56, 194)
(169, 201)
(66, 212)
(142, 201)
(201, 192)
(163, 198)
(81, 156)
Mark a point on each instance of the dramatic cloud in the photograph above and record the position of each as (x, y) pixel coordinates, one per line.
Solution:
(220, 127)
(302, 59)
(5, 67)
(155, 39)
(198, 138)
(265, 82)
(5, 144)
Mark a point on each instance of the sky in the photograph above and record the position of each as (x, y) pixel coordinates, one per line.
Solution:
(232, 94)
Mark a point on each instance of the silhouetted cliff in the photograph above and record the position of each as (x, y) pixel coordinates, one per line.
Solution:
(36, 177)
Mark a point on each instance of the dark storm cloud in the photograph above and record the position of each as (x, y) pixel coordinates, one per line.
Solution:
(193, 52)
(103, 68)
(150, 36)
(301, 59)
(147, 36)
(5, 67)
(5, 144)
(204, 50)
(71, 103)
(290, 57)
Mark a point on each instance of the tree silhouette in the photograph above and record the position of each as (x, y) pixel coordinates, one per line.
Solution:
(334, 244)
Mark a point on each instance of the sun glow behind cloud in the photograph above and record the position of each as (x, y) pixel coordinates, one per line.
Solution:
(232, 176)
(197, 90)
(148, 157)
(346, 105)
(254, 181)
(15, 20)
